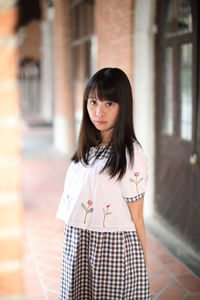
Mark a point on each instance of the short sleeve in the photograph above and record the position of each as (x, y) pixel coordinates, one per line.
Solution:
(134, 181)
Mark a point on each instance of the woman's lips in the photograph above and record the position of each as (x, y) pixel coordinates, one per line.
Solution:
(100, 122)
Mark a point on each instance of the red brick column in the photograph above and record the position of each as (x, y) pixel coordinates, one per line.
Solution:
(10, 143)
(114, 30)
(64, 111)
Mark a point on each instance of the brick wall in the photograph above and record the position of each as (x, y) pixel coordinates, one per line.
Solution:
(114, 30)
(11, 211)
(31, 43)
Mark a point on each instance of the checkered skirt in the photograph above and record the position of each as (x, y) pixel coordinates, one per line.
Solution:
(102, 266)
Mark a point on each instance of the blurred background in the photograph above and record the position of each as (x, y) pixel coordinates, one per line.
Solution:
(48, 51)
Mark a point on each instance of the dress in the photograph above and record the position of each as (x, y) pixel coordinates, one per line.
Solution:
(102, 257)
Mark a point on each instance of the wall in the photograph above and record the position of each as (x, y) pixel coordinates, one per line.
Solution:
(114, 30)
(31, 40)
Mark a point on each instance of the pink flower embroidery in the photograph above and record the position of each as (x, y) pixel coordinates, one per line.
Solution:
(69, 199)
(137, 180)
(89, 202)
(87, 209)
(105, 213)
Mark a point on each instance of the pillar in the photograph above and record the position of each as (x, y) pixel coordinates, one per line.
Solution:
(64, 136)
(47, 104)
(10, 148)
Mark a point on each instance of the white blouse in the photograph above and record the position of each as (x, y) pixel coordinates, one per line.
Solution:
(92, 200)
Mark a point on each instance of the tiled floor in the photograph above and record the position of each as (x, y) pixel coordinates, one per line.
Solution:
(43, 233)
(42, 185)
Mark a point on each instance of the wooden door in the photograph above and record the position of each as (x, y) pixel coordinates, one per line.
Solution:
(178, 117)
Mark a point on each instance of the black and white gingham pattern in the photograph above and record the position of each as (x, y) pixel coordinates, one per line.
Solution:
(102, 266)
(100, 152)
(137, 197)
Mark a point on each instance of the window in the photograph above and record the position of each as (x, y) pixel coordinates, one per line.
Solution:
(82, 24)
(178, 18)
(176, 46)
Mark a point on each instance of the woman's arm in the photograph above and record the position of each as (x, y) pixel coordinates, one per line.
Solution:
(136, 211)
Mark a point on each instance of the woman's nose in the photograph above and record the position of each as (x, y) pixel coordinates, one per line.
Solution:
(99, 110)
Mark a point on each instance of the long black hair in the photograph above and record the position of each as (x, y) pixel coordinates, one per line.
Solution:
(109, 84)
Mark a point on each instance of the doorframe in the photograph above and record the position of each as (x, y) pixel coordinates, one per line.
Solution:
(144, 94)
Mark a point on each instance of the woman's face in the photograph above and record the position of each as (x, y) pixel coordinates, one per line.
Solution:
(103, 115)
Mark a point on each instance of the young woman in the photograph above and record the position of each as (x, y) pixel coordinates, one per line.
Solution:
(104, 247)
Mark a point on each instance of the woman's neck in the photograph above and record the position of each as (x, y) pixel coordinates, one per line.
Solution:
(106, 137)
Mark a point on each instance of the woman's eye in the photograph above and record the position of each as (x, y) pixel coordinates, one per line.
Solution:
(109, 103)
(93, 102)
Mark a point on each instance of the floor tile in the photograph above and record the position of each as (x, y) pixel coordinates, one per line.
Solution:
(166, 258)
(33, 288)
(54, 286)
(158, 282)
(36, 297)
(196, 296)
(31, 276)
(53, 272)
(190, 282)
(46, 281)
(52, 296)
(177, 268)
(172, 291)
(189, 297)
(153, 265)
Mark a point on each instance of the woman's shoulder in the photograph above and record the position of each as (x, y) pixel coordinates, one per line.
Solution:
(137, 147)
(136, 144)
(139, 153)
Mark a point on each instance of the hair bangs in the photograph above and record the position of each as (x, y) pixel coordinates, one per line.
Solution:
(102, 89)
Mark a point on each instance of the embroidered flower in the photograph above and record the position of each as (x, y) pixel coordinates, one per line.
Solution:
(137, 180)
(89, 202)
(69, 199)
(105, 213)
(87, 209)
